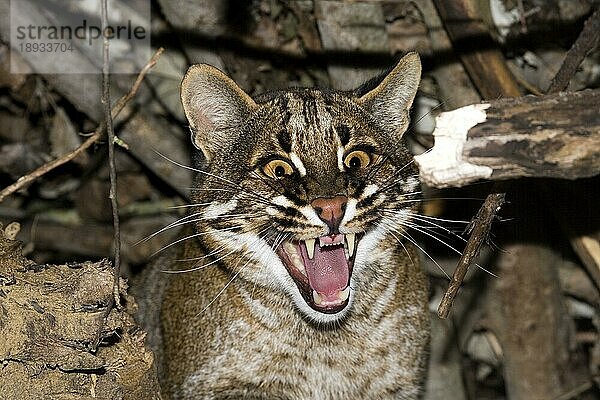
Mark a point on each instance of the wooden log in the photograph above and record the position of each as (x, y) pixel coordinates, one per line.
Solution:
(554, 136)
(61, 337)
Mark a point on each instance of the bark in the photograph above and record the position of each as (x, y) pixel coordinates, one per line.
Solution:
(511, 138)
(61, 336)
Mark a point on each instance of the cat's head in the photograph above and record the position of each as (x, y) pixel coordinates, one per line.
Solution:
(298, 188)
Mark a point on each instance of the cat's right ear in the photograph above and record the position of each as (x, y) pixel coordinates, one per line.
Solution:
(215, 107)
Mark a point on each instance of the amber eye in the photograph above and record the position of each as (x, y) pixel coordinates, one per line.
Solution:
(357, 159)
(277, 169)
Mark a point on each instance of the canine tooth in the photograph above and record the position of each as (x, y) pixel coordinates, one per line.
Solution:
(344, 294)
(316, 297)
(350, 239)
(310, 247)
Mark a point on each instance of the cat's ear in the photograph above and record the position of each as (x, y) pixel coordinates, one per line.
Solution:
(389, 102)
(215, 107)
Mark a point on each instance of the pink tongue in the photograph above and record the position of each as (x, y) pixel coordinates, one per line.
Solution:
(328, 270)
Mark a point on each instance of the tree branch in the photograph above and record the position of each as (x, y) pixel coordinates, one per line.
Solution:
(98, 133)
(586, 41)
(480, 228)
(110, 133)
(510, 138)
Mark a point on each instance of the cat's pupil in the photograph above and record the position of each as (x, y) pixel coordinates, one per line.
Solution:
(279, 171)
(354, 162)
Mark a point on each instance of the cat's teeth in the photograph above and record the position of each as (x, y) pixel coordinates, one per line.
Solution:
(344, 294)
(310, 247)
(350, 240)
(316, 297)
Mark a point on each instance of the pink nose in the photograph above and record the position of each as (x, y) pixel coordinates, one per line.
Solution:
(330, 210)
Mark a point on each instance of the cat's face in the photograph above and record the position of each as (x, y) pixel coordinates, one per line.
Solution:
(298, 188)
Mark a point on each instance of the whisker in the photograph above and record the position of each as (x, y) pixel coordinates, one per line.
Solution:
(429, 217)
(178, 222)
(235, 185)
(190, 205)
(191, 237)
(439, 198)
(186, 220)
(199, 267)
(407, 236)
(426, 231)
(401, 244)
(420, 218)
(230, 281)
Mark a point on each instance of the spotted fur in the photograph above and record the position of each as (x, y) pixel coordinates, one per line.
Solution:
(235, 325)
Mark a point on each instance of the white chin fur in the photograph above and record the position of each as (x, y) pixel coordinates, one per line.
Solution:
(316, 316)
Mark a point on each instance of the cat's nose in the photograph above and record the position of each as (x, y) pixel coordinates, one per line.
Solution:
(330, 210)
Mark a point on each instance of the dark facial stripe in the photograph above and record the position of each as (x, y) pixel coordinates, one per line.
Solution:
(285, 140)
(344, 134)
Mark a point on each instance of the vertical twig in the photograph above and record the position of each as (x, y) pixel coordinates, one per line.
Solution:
(480, 228)
(586, 41)
(111, 152)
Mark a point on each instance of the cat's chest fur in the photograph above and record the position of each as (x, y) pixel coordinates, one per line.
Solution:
(295, 277)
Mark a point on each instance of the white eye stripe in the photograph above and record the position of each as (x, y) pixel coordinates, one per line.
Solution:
(298, 164)
(340, 158)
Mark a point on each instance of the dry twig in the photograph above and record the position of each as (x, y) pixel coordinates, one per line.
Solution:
(586, 41)
(110, 134)
(118, 107)
(480, 229)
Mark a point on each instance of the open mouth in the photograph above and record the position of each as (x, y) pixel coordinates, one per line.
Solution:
(321, 268)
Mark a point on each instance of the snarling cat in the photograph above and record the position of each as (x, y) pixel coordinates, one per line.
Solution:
(295, 279)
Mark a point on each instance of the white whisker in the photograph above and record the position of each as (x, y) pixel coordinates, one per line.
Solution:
(407, 236)
(232, 279)
(199, 267)
(193, 236)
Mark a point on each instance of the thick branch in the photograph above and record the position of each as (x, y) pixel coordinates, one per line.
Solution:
(526, 136)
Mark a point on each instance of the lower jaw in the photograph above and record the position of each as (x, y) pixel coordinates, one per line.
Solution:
(323, 308)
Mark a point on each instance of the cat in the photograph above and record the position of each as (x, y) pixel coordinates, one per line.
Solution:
(294, 279)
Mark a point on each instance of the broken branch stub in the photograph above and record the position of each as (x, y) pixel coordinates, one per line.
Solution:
(556, 136)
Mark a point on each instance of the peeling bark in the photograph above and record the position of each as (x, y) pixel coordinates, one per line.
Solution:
(526, 136)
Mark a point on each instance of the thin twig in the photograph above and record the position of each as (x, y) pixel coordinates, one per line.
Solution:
(116, 110)
(112, 172)
(586, 41)
(480, 229)
(580, 389)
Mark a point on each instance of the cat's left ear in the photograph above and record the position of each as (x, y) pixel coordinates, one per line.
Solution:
(389, 102)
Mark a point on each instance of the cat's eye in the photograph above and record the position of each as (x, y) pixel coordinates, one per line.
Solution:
(357, 159)
(277, 169)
